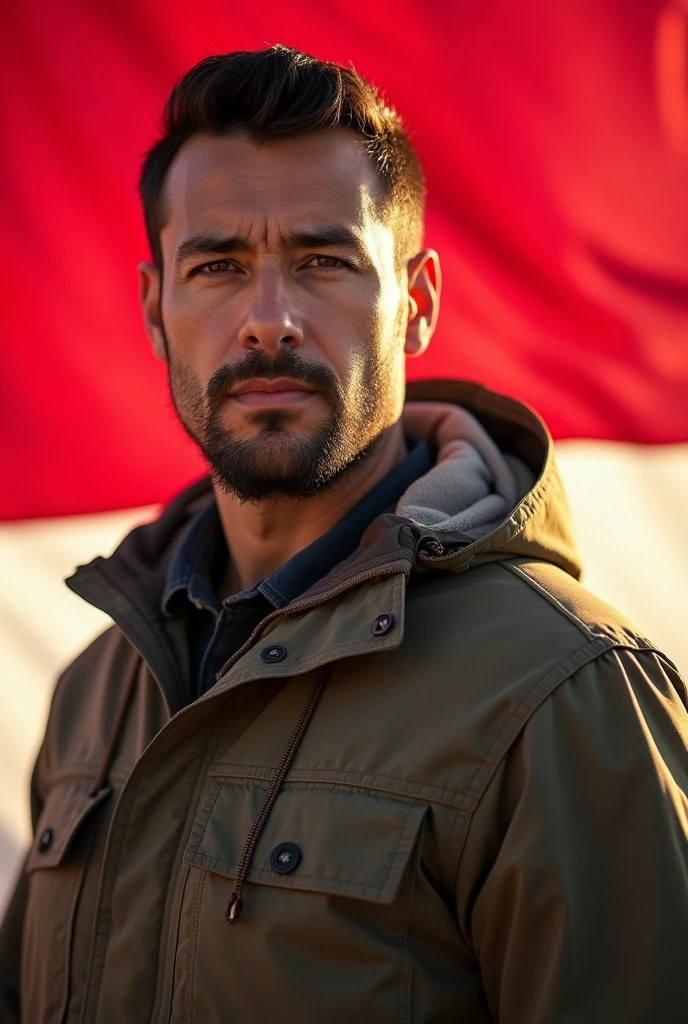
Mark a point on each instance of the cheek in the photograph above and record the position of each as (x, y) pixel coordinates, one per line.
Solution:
(374, 381)
(199, 331)
(188, 395)
(375, 318)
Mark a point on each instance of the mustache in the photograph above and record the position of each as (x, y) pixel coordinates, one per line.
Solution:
(285, 364)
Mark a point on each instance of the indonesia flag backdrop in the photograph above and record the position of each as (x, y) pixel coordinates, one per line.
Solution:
(554, 136)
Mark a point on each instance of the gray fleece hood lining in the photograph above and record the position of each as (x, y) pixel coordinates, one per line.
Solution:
(474, 486)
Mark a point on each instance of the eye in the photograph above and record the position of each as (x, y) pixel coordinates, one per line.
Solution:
(328, 263)
(213, 269)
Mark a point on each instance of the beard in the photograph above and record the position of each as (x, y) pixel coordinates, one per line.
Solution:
(276, 463)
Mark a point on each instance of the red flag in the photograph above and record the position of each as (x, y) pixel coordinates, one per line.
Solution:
(554, 141)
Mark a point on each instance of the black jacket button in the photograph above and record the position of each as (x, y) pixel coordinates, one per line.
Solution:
(271, 655)
(284, 858)
(45, 840)
(382, 624)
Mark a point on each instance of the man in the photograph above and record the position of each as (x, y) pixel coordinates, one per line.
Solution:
(358, 746)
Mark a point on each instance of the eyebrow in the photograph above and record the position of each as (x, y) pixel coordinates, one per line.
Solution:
(326, 236)
(321, 237)
(207, 244)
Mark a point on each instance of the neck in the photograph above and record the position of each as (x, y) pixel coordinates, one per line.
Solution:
(261, 537)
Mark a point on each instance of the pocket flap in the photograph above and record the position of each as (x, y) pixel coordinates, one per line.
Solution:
(66, 806)
(347, 843)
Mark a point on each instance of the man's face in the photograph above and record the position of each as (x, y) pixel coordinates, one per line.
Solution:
(282, 310)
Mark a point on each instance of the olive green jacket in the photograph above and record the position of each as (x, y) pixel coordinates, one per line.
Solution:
(477, 775)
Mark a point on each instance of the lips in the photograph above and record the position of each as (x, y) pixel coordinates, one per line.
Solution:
(261, 391)
(270, 387)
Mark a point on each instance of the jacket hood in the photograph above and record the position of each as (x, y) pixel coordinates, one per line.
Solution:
(494, 492)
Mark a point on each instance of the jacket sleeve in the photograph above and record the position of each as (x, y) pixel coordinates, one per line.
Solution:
(12, 928)
(10, 952)
(573, 883)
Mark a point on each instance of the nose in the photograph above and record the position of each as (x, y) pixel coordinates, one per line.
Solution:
(269, 322)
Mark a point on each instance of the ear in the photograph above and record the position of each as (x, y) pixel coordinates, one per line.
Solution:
(149, 296)
(424, 287)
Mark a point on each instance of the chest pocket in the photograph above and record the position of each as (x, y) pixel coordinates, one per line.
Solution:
(56, 865)
(327, 902)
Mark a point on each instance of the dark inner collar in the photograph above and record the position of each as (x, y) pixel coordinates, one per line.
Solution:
(199, 561)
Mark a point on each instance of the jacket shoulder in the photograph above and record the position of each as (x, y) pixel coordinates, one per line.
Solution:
(84, 705)
(102, 649)
(108, 656)
(586, 612)
(518, 626)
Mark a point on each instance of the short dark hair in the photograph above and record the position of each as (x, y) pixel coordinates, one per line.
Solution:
(279, 93)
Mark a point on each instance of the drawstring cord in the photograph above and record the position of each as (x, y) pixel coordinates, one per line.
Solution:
(117, 727)
(235, 902)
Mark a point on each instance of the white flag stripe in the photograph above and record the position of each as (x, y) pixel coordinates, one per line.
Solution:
(630, 506)
(630, 511)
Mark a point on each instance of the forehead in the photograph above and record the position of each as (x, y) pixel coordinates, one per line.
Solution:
(217, 180)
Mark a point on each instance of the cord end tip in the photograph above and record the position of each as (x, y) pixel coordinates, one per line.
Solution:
(233, 909)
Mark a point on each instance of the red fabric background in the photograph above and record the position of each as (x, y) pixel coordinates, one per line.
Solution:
(555, 141)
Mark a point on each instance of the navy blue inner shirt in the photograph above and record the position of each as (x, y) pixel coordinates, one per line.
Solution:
(216, 629)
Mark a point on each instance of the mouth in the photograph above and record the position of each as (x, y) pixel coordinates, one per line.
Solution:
(260, 391)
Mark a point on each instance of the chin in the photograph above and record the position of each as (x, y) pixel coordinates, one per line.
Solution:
(275, 419)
